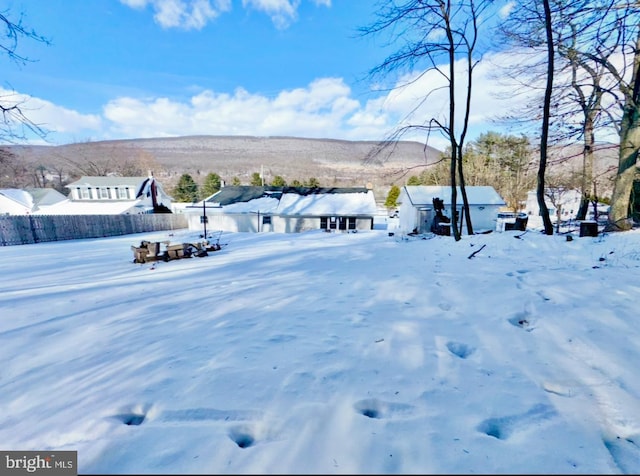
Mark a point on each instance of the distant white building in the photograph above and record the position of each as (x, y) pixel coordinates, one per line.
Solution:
(568, 204)
(14, 201)
(112, 196)
(417, 212)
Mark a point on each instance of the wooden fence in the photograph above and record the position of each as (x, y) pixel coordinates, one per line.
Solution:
(22, 230)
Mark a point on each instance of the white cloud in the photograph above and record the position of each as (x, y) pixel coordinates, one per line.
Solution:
(325, 108)
(282, 12)
(506, 10)
(50, 117)
(195, 14)
(187, 14)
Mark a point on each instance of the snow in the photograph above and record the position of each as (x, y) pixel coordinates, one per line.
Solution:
(477, 195)
(262, 204)
(326, 353)
(87, 207)
(329, 204)
(22, 197)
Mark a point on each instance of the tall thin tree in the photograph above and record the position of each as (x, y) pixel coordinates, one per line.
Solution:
(439, 36)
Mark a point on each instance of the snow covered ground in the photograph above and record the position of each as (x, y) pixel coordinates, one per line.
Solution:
(326, 353)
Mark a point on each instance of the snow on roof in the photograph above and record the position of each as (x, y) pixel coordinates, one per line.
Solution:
(262, 205)
(72, 207)
(477, 195)
(23, 197)
(91, 181)
(361, 203)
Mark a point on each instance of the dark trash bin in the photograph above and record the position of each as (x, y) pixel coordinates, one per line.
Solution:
(588, 228)
(521, 222)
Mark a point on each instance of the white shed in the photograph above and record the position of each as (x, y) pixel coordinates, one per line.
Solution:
(417, 213)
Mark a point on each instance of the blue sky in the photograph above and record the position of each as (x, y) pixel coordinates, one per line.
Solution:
(118, 69)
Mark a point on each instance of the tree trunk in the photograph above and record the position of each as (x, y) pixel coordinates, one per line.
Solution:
(544, 211)
(465, 200)
(621, 203)
(587, 167)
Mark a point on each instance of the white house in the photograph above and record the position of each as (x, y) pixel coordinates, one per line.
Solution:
(285, 209)
(416, 211)
(112, 196)
(14, 201)
(568, 204)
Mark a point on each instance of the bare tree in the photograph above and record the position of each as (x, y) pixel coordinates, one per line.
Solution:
(591, 90)
(15, 124)
(437, 36)
(621, 203)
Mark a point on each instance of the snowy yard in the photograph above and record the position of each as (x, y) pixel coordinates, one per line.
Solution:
(326, 353)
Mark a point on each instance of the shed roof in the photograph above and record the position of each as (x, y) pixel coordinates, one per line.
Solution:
(477, 195)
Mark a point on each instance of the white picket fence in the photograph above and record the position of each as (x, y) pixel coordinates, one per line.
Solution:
(27, 229)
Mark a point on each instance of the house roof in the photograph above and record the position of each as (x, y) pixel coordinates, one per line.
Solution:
(31, 198)
(293, 200)
(477, 195)
(94, 207)
(97, 181)
(242, 193)
(19, 196)
(347, 203)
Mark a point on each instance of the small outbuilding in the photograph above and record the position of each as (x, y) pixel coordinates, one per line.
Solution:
(417, 211)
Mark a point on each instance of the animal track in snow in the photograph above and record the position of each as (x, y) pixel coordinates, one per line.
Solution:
(522, 320)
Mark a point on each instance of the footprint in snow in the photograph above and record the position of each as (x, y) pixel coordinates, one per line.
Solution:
(378, 409)
(503, 427)
(460, 350)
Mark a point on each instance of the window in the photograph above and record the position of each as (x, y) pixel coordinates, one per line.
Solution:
(103, 192)
(266, 219)
(84, 193)
(352, 223)
(123, 193)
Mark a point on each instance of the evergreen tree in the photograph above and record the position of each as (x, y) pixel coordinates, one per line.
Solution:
(186, 190)
(296, 183)
(392, 197)
(312, 183)
(256, 180)
(278, 181)
(414, 180)
(211, 185)
(236, 181)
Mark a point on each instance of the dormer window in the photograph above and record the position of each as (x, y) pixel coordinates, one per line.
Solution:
(84, 193)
